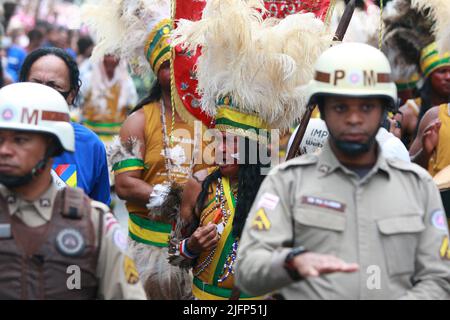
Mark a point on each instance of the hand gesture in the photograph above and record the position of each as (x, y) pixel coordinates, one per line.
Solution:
(203, 239)
(430, 137)
(314, 264)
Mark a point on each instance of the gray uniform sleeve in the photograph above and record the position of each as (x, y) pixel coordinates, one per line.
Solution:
(432, 267)
(268, 229)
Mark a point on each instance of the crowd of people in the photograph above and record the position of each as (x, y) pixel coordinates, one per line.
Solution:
(357, 214)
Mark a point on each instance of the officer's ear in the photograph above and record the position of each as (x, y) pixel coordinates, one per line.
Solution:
(54, 147)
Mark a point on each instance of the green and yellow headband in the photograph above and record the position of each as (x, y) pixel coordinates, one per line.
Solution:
(230, 119)
(157, 49)
(407, 84)
(431, 59)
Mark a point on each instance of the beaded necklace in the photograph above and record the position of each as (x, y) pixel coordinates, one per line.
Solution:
(225, 214)
(228, 269)
(168, 142)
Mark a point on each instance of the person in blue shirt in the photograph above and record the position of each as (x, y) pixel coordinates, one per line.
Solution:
(15, 56)
(87, 167)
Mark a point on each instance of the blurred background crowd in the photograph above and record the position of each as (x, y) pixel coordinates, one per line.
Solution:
(27, 25)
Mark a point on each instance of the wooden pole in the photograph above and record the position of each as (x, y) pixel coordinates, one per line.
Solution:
(339, 36)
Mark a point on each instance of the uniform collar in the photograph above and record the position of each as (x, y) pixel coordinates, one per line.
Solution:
(43, 206)
(328, 163)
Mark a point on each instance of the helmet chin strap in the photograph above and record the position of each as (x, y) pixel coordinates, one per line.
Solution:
(10, 181)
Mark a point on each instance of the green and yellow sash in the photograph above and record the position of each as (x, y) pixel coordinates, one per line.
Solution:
(206, 285)
(149, 232)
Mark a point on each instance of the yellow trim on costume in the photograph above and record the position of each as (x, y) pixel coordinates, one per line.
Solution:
(149, 235)
(240, 117)
(227, 191)
(330, 11)
(243, 133)
(431, 59)
(161, 60)
(128, 169)
(162, 44)
(226, 231)
(202, 295)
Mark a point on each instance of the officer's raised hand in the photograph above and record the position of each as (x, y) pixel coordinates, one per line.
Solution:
(309, 264)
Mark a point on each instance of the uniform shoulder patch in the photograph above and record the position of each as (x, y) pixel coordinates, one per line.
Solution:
(131, 273)
(444, 250)
(120, 240)
(439, 220)
(261, 222)
(110, 222)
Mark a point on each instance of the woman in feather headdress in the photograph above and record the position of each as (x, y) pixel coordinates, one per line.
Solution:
(250, 75)
(154, 156)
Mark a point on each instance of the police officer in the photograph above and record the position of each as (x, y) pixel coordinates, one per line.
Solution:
(53, 244)
(347, 223)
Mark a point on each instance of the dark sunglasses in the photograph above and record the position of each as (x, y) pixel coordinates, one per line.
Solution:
(65, 94)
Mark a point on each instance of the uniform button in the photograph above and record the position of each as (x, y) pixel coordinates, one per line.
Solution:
(45, 203)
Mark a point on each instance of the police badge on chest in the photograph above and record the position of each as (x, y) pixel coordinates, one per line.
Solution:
(70, 242)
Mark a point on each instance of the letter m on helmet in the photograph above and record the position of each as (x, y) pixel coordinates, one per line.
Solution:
(29, 118)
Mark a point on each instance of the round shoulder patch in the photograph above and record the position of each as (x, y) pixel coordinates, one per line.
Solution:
(120, 239)
(70, 242)
(438, 220)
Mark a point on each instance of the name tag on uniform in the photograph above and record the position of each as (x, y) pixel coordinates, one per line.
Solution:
(324, 203)
(5, 231)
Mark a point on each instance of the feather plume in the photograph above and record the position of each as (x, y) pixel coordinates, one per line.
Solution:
(439, 11)
(102, 17)
(407, 32)
(122, 27)
(119, 151)
(261, 64)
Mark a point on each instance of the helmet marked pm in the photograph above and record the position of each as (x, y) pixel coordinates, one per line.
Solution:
(35, 107)
(353, 70)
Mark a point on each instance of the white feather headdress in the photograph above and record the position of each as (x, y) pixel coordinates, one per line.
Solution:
(407, 32)
(260, 64)
(123, 27)
(440, 13)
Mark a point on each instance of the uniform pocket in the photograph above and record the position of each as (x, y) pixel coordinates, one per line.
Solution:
(400, 237)
(320, 219)
(319, 230)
